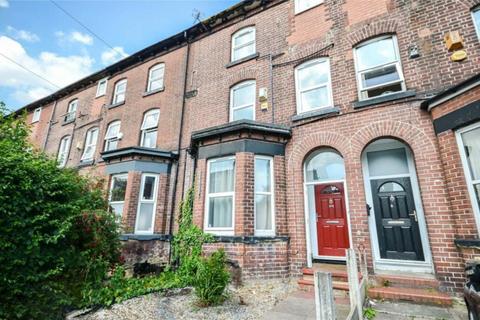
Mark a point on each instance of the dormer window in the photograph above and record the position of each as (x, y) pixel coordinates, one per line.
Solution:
(149, 129)
(155, 77)
(243, 43)
(71, 111)
(112, 136)
(120, 90)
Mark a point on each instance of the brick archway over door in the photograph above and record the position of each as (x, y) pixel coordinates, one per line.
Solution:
(438, 216)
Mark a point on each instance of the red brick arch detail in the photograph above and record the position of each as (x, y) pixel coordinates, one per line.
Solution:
(470, 4)
(372, 30)
(242, 75)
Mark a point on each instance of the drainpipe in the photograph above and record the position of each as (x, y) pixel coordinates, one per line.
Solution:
(44, 146)
(172, 211)
(271, 85)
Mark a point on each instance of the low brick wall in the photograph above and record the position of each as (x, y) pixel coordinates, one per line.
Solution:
(256, 257)
(140, 249)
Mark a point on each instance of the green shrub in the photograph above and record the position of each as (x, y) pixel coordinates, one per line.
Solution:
(211, 279)
(187, 243)
(56, 236)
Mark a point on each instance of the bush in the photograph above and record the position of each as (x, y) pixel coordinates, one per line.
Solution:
(211, 279)
(56, 237)
(187, 243)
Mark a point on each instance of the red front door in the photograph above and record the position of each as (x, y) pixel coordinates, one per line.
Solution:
(332, 226)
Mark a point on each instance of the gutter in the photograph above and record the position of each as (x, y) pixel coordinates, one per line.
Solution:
(179, 145)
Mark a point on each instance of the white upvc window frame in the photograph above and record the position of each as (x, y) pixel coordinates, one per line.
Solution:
(468, 175)
(300, 9)
(110, 138)
(63, 151)
(397, 64)
(90, 144)
(144, 129)
(37, 113)
(153, 201)
(261, 232)
(117, 93)
(240, 33)
(221, 231)
(116, 176)
(71, 110)
(160, 78)
(475, 22)
(252, 105)
(299, 91)
(101, 92)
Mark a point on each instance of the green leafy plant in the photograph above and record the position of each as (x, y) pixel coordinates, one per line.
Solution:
(211, 279)
(369, 313)
(187, 243)
(56, 236)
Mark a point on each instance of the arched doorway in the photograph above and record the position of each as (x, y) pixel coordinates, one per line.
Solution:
(326, 205)
(394, 207)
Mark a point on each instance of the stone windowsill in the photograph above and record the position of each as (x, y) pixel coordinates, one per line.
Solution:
(322, 113)
(149, 93)
(250, 239)
(114, 105)
(64, 123)
(468, 243)
(245, 59)
(85, 163)
(385, 98)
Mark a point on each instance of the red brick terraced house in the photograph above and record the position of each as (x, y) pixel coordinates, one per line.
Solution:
(305, 127)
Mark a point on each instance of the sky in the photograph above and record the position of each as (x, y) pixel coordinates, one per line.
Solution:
(39, 36)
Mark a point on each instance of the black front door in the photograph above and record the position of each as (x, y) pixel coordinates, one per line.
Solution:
(396, 219)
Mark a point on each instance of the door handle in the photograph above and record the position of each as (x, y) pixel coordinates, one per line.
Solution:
(414, 215)
(368, 209)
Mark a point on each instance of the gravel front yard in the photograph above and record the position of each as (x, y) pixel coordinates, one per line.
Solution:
(250, 301)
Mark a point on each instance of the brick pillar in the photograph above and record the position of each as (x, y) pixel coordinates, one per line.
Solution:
(162, 201)
(131, 201)
(244, 194)
(200, 185)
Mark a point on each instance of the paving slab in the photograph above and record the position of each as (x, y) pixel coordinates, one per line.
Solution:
(404, 310)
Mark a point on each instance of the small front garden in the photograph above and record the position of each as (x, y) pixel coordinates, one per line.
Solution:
(59, 243)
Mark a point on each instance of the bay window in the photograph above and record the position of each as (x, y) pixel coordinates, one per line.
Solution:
(63, 151)
(146, 204)
(116, 199)
(243, 43)
(378, 68)
(313, 85)
(469, 141)
(112, 136)
(149, 129)
(220, 195)
(264, 199)
(90, 144)
(242, 101)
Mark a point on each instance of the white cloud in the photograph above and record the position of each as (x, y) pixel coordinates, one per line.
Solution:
(74, 36)
(26, 87)
(4, 4)
(81, 37)
(113, 55)
(22, 34)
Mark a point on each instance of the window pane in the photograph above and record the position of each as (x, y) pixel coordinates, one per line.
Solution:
(222, 176)
(263, 176)
(118, 188)
(102, 86)
(117, 208)
(376, 53)
(149, 139)
(471, 143)
(243, 52)
(119, 97)
(148, 188)
(313, 75)
(111, 145)
(145, 217)
(391, 187)
(324, 165)
(150, 120)
(156, 84)
(387, 162)
(243, 38)
(314, 99)
(113, 131)
(220, 212)
(121, 87)
(263, 212)
(476, 20)
(379, 76)
(244, 95)
(243, 113)
(156, 73)
(383, 90)
(476, 187)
